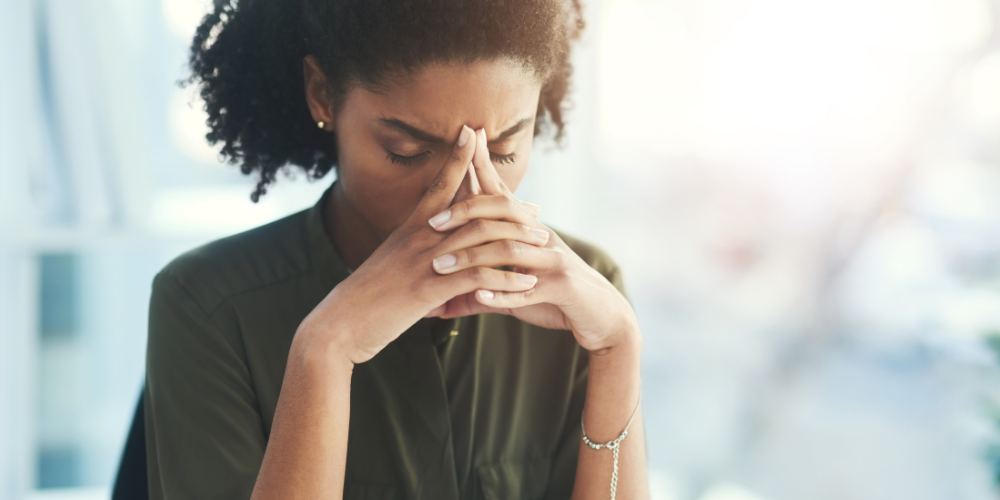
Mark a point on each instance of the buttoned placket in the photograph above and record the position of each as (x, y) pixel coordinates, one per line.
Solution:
(428, 395)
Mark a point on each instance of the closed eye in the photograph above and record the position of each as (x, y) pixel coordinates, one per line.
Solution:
(501, 159)
(410, 160)
(404, 160)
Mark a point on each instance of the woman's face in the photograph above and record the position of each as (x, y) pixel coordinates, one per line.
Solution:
(392, 143)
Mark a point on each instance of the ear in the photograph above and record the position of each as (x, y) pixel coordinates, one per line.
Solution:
(317, 93)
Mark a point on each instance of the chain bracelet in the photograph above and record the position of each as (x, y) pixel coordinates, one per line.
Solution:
(612, 445)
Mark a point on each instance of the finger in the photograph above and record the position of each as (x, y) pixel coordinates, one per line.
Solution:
(476, 186)
(475, 278)
(495, 254)
(489, 179)
(535, 210)
(506, 300)
(497, 207)
(482, 231)
(467, 305)
(437, 311)
(443, 188)
(470, 184)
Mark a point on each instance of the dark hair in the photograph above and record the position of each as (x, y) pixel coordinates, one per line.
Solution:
(247, 56)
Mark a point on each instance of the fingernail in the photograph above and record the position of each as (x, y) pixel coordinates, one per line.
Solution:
(531, 206)
(528, 279)
(540, 233)
(445, 261)
(463, 138)
(440, 218)
(482, 135)
(485, 294)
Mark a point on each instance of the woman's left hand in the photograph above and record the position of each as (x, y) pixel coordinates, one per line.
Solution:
(569, 294)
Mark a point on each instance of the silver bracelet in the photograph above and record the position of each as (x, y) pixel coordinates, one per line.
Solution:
(612, 445)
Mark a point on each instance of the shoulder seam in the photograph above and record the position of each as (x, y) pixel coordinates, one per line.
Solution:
(173, 276)
(210, 316)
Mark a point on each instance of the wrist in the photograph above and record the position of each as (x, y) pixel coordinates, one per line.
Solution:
(613, 388)
(320, 350)
(625, 337)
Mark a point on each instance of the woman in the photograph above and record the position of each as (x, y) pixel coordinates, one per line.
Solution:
(417, 333)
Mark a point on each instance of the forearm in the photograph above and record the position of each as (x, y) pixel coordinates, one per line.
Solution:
(612, 392)
(307, 450)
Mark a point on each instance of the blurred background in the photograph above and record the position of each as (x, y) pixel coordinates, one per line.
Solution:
(804, 196)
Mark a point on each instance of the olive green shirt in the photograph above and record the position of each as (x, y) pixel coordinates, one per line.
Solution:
(482, 407)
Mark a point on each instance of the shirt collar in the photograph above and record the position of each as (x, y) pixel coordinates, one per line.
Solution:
(323, 255)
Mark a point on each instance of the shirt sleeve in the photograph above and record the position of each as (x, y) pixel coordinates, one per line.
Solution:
(204, 432)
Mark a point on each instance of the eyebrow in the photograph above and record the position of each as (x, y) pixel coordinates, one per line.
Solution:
(425, 136)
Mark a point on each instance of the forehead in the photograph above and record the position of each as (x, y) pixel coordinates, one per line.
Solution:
(440, 98)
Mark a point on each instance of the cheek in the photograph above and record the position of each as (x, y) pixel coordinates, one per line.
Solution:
(384, 193)
(513, 173)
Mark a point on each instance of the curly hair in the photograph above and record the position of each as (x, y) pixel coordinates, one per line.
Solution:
(247, 58)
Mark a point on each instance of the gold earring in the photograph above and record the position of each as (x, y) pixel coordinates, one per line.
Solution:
(320, 124)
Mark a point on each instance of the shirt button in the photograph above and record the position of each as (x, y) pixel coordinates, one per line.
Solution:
(453, 333)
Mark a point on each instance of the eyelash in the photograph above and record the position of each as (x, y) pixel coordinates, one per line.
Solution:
(402, 160)
(501, 159)
(408, 160)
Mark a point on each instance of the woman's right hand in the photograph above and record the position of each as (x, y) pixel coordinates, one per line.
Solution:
(396, 286)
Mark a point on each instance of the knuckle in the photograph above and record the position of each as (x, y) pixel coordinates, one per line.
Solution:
(478, 274)
(510, 203)
(437, 185)
(458, 154)
(462, 209)
(469, 255)
(564, 279)
(479, 226)
(559, 260)
(511, 248)
(512, 279)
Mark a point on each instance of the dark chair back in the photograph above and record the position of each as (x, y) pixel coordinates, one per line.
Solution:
(131, 483)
